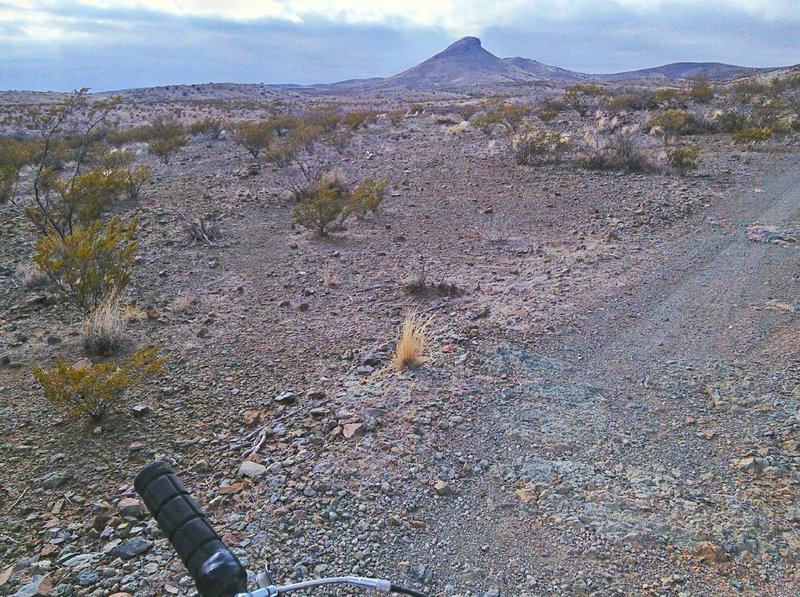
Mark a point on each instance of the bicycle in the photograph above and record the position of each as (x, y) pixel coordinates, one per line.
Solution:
(216, 572)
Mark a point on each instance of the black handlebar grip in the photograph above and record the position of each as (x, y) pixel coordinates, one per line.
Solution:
(215, 570)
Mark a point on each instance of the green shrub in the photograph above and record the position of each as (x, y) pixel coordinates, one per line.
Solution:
(75, 201)
(325, 206)
(630, 101)
(121, 137)
(701, 92)
(672, 122)
(667, 96)
(582, 97)
(207, 126)
(683, 159)
(730, 121)
(167, 135)
(15, 154)
(367, 197)
(506, 115)
(255, 137)
(359, 119)
(751, 137)
(547, 115)
(536, 146)
(91, 263)
(92, 389)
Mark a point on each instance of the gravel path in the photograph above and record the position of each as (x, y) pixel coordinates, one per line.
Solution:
(647, 450)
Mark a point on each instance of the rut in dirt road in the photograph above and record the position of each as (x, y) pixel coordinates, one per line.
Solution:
(651, 448)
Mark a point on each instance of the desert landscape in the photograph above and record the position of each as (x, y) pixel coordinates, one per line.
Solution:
(598, 278)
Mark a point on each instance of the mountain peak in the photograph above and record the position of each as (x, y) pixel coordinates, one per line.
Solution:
(465, 44)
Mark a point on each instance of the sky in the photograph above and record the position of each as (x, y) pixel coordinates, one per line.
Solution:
(56, 45)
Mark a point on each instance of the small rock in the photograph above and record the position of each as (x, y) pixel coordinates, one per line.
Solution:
(252, 470)
(55, 479)
(131, 548)
(140, 410)
(442, 488)
(131, 508)
(287, 397)
(87, 577)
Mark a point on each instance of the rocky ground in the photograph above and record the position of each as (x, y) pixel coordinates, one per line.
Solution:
(609, 406)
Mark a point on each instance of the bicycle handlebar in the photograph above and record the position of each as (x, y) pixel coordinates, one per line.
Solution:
(215, 570)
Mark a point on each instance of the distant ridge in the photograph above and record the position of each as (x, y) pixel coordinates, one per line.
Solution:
(714, 71)
(466, 63)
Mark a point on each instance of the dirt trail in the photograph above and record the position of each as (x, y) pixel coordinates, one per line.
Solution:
(612, 454)
(698, 302)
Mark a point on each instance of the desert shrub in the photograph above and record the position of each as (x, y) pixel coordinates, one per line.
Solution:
(67, 202)
(750, 137)
(630, 102)
(547, 115)
(104, 328)
(748, 91)
(167, 135)
(358, 119)
(536, 146)
(466, 110)
(624, 150)
(326, 118)
(294, 145)
(121, 137)
(412, 342)
(448, 118)
(367, 197)
(91, 263)
(92, 389)
(582, 97)
(324, 207)
(506, 115)
(395, 116)
(86, 258)
(207, 126)
(255, 137)
(133, 176)
(730, 121)
(667, 96)
(701, 92)
(771, 114)
(15, 154)
(672, 123)
(683, 159)
(339, 138)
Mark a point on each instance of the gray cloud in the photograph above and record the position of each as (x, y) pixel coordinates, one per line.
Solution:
(123, 48)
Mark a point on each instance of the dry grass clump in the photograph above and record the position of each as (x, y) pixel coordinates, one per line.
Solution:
(458, 129)
(182, 304)
(330, 277)
(104, 328)
(412, 342)
(624, 150)
(132, 313)
(31, 276)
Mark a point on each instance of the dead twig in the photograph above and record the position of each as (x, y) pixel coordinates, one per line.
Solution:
(21, 495)
(201, 230)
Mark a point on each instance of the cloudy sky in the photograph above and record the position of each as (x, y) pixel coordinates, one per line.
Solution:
(118, 44)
